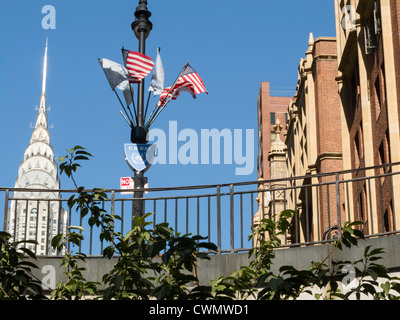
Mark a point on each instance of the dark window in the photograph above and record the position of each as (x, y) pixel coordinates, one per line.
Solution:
(273, 118)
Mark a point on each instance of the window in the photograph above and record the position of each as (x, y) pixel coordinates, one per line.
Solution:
(378, 98)
(377, 17)
(357, 150)
(370, 37)
(386, 151)
(273, 136)
(273, 118)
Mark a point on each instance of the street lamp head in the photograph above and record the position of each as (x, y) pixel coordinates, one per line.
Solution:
(142, 23)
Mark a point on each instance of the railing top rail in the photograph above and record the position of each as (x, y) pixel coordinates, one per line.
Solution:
(275, 189)
(210, 186)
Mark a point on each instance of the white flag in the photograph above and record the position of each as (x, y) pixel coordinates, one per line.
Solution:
(115, 72)
(157, 78)
(127, 90)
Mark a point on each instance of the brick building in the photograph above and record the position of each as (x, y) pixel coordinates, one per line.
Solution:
(313, 143)
(369, 88)
(345, 115)
(269, 109)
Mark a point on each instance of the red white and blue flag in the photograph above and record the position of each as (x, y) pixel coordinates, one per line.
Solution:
(137, 64)
(188, 81)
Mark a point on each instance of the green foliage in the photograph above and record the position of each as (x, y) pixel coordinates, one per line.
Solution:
(76, 287)
(366, 275)
(177, 268)
(86, 202)
(152, 263)
(136, 274)
(256, 281)
(16, 279)
(127, 280)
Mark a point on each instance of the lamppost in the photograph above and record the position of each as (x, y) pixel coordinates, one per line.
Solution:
(140, 154)
(141, 27)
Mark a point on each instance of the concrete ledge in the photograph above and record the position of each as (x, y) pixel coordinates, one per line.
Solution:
(226, 264)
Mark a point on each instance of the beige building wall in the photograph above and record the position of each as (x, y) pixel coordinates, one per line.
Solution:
(357, 60)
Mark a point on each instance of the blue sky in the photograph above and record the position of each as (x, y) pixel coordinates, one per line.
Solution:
(233, 45)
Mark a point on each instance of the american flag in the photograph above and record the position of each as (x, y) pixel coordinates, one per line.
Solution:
(189, 81)
(137, 64)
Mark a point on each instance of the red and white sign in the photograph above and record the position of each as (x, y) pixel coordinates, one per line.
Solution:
(127, 183)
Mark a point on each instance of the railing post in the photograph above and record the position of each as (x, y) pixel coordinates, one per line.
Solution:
(176, 215)
(219, 218)
(5, 226)
(112, 214)
(339, 222)
(50, 220)
(393, 199)
(232, 223)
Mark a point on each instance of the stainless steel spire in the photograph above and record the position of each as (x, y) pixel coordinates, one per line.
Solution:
(45, 70)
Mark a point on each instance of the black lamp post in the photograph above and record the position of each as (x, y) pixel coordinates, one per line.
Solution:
(141, 27)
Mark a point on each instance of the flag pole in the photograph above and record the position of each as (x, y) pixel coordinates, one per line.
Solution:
(147, 105)
(131, 122)
(133, 102)
(151, 120)
(122, 114)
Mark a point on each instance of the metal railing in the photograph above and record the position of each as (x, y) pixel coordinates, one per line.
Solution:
(226, 213)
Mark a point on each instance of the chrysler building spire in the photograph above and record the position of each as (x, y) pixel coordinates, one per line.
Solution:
(37, 171)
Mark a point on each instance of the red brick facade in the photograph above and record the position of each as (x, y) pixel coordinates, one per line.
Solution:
(314, 138)
(329, 142)
(268, 106)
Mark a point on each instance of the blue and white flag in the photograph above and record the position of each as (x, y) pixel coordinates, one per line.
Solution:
(158, 77)
(127, 90)
(115, 72)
